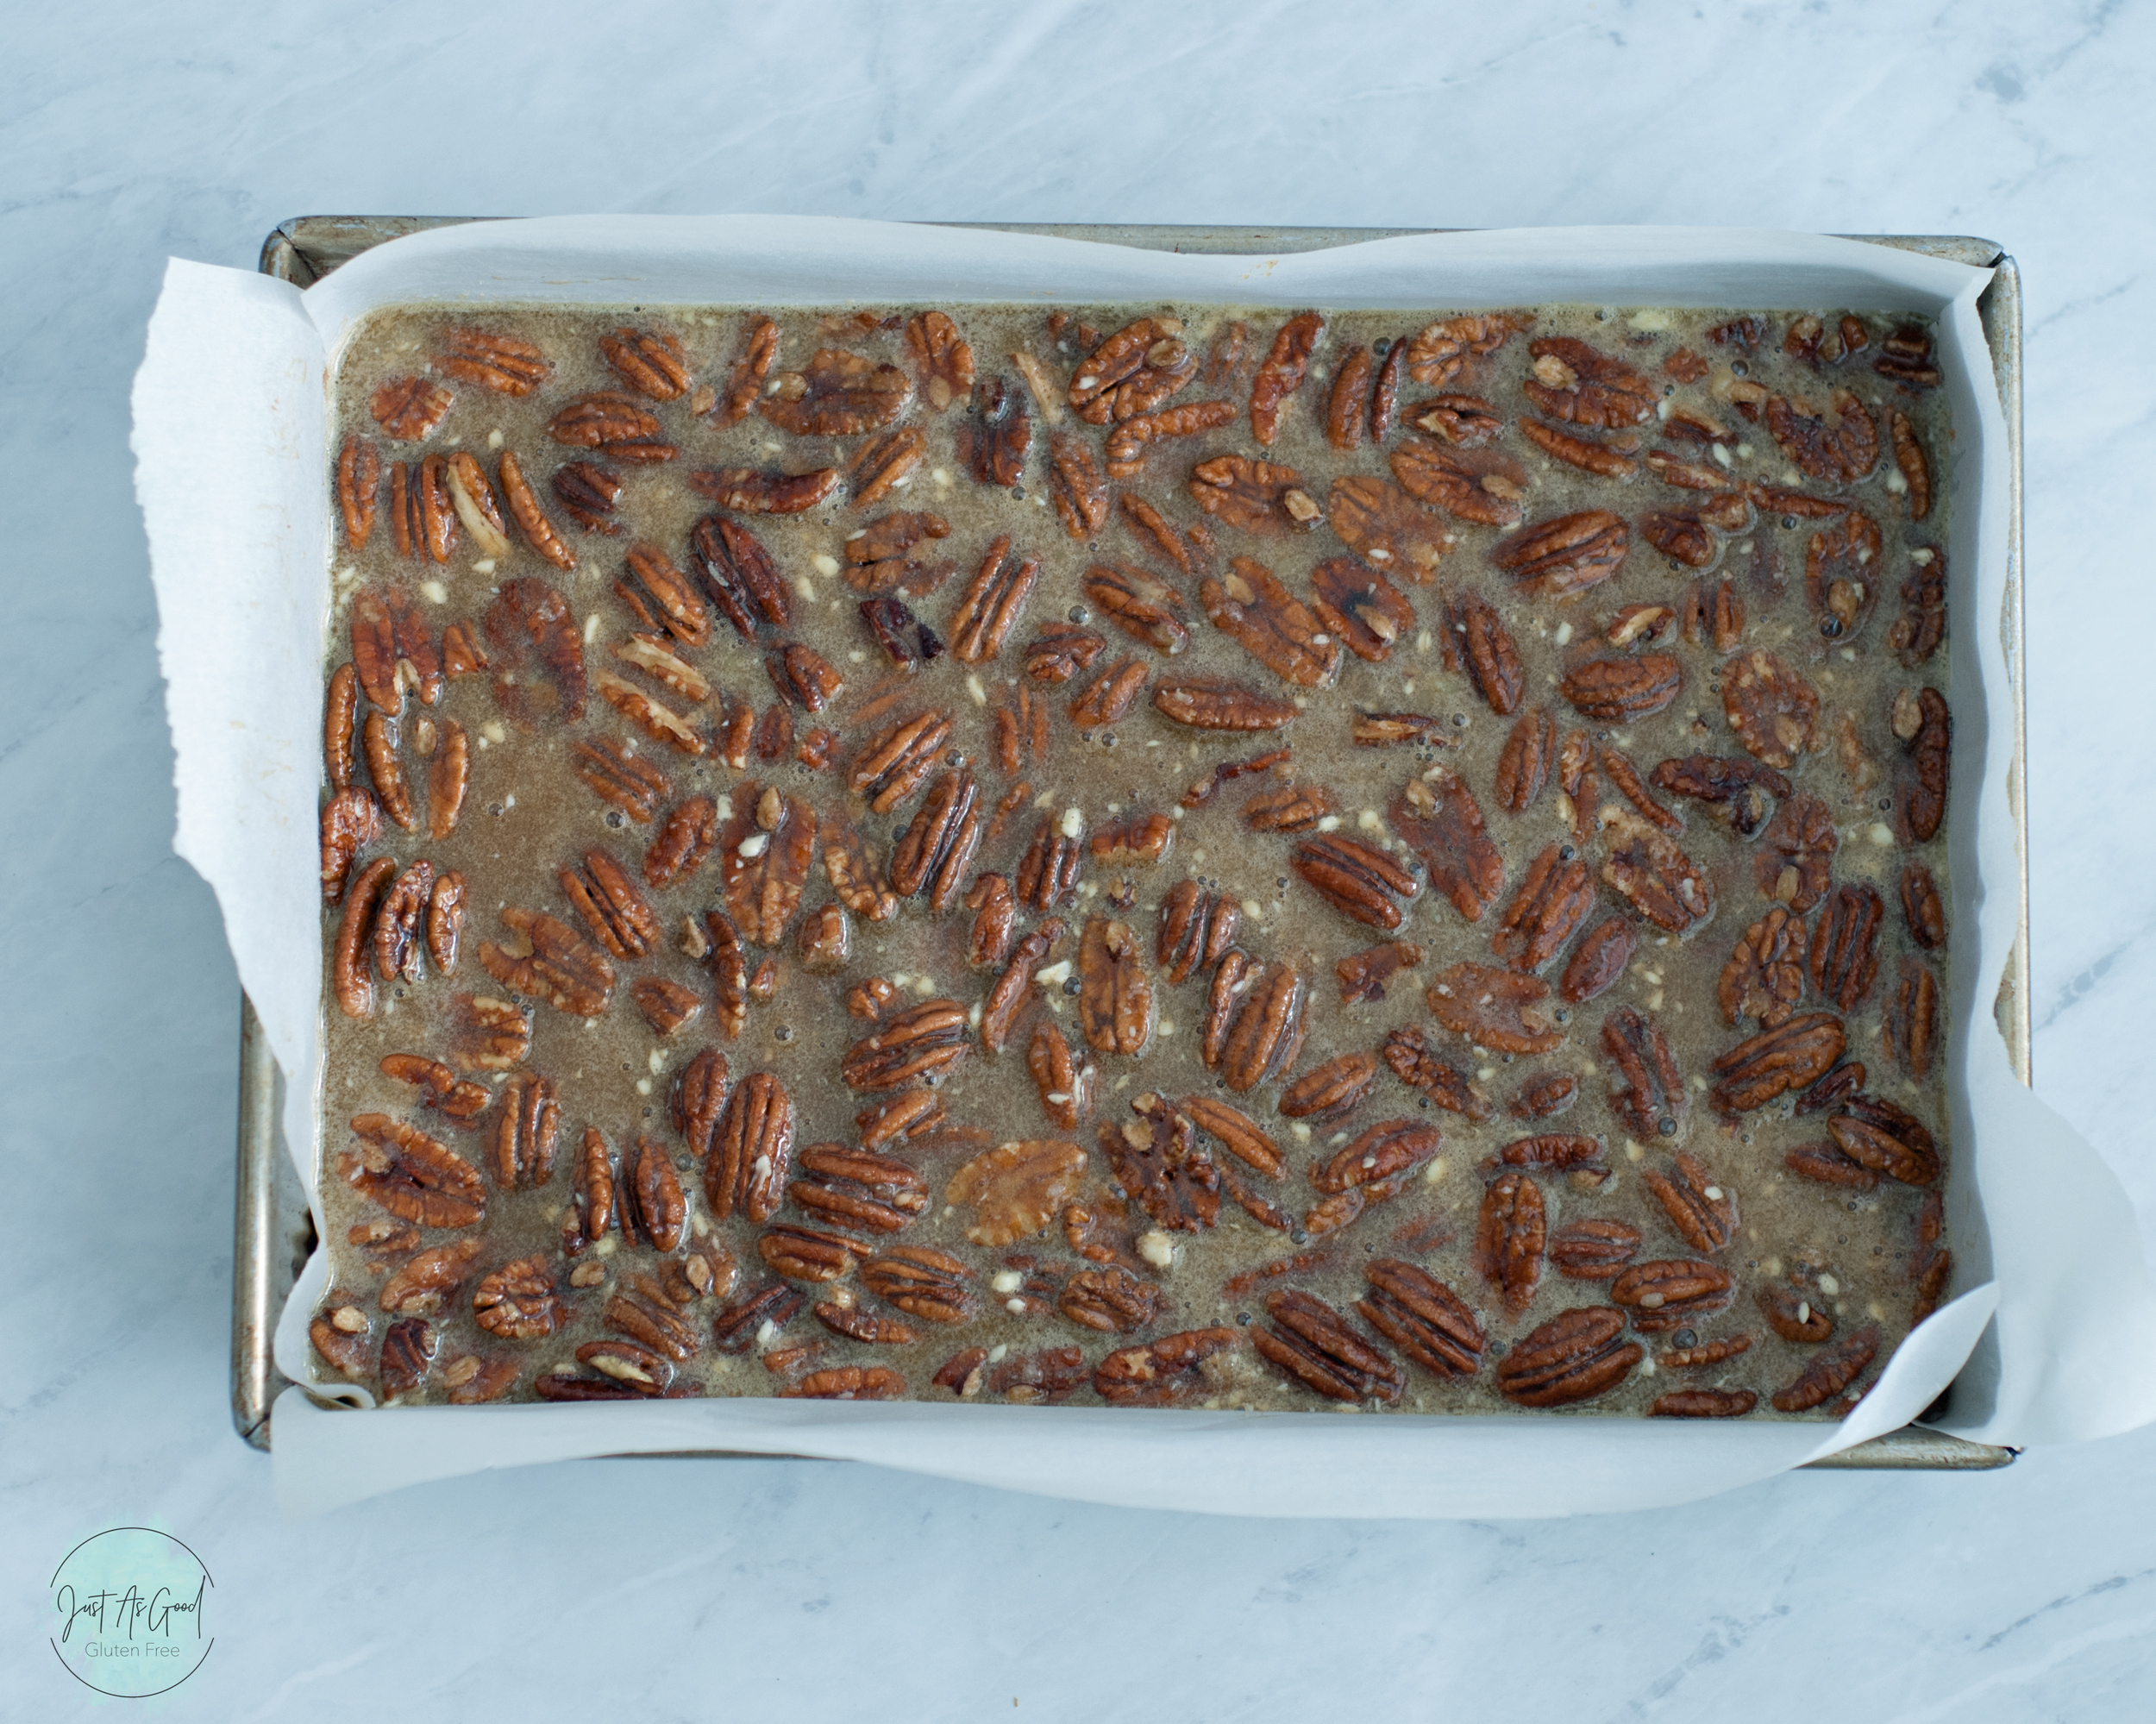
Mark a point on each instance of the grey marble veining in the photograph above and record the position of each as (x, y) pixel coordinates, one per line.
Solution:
(670, 1589)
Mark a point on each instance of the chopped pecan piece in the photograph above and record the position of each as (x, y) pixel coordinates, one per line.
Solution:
(1574, 1356)
(1540, 1098)
(1364, 974)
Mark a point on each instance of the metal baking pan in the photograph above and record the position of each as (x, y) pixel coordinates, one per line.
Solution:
(273, 1233)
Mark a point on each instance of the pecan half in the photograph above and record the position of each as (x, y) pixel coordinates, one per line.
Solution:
(439, 1087)
(1254, 609)
(1384, 526)
(1493, 661)
(1436, 816)
(1312, 1344)
(1209, 703)
(751, 1150)
(562, 968)
(1598, 962)
(1364, 974)
(1467, 421)
(1128, 442)
(1843, 574)
(397, 923)
(839, 394)
(1197, 926)
(1332, 1088)
(1921, 628)
(1540, 1098)
(416, 1177)
(348, 978)
(1348, 404)
(1281, 372)
(1065, 1087)
(804, 676)
(1423, 1317)
(1646, 869)
(1844, 952)
(1652, 1098)
(1258, 496)
(1060, 651)
(359, 484)
(1923, 793)
(1840, 445)
(1611, 460)
(1794, 864)
(1744, 788)
(1016, 1189)
(1572, 1357)
(994, 438)
(1571, 382)
(1145, 609)
(1115, 999)
(518, 1301)
(1619, 690)
(498, 362)
(427, 1276)
(1772, 709)
(1765, 976)
(1523, 767)
(615, 422)
(922, 1282)
(763, 491)
(1481, 485)
(1830, 1373)
(351, 820)
(1911, 462)
(918, 1044)
(1266, 1032)
(1557, 558)
(1788, 1057)
(1013, 990)
(530, 620)
(1362, 882)
(1704, 1403)
(1555, 898)
(993, 602)
(1594, 1249)
(1910, 1029)
(408, 408)
(1048, 872)
(1498, 1009)
(617, 914)
(1162, 1372)
(1670, 1293)
(739, 575)
(616, 775)
(487, 1034)
(1886, 1140)
(1440, 351)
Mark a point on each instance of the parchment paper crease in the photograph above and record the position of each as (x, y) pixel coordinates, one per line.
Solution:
(230, 427)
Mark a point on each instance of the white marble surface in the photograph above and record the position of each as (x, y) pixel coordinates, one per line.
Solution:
(672, 1589)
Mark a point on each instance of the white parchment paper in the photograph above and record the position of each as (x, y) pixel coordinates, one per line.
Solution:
(230, 429)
